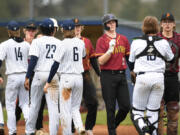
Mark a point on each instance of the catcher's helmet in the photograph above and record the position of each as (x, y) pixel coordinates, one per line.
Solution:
(47, 26)
(109, 17)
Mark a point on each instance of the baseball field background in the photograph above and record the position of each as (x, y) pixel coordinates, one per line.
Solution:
(130, 14)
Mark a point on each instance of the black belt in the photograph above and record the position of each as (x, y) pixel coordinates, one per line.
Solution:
(114, 71)
(141, 73)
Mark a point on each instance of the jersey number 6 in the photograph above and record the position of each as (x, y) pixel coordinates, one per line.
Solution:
(75, 54)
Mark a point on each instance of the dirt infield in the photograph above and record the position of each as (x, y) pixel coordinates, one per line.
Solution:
(98, 129)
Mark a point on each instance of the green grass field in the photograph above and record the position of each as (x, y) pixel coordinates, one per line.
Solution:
(101, 118)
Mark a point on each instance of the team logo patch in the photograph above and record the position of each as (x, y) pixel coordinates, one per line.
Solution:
(167, 15)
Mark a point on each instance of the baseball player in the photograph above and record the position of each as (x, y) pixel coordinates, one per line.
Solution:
(1, 113)
(52, 97)
(89, 90)
(15, 53)
(147, 59)
(112, 50)
(42, 51)
(68, 58)
(39, 122)
(171, 92)
(30, 31)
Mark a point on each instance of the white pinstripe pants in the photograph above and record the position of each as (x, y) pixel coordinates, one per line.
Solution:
(70, 105)
(1, 114)
(15, 88)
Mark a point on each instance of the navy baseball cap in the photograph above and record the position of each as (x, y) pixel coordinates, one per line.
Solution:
(13, 25)
(77, 22)
(47, 23)
(167, 16)
(68, 25)
(31, 25)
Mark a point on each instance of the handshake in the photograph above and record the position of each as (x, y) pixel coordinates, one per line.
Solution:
(112, 44)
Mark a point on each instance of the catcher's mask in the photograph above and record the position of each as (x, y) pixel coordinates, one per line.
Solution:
(107, 18)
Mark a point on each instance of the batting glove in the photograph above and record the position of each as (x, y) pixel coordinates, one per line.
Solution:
(112, 44)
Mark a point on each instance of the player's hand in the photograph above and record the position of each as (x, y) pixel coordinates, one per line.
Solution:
(133, 77)
(112, 44)
(26, 84)
(1, 80)
(46, 87)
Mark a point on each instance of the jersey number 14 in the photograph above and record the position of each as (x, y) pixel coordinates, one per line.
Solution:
(18, 53)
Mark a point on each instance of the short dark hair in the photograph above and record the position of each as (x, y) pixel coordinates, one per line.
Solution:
(47, 31)
(150, 25)
(68, 33)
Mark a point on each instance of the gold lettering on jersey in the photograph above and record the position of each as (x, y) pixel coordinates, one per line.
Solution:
(119, 49)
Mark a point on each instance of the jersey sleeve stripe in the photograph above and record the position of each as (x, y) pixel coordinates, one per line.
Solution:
(99, 54)
(93, 55)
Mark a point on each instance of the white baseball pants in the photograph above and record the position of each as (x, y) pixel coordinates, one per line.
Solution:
(1, 114)
(15, 88)
(52, 99)
(70, 104)
(37, 86)
(148, 92)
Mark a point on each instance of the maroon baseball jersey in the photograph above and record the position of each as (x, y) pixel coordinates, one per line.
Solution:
(90, 52)
(175, 46)
(121, 49)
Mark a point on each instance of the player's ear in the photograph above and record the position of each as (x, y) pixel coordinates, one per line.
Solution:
(24, 30)
(9, 34)
(37, 31)
(82, 28)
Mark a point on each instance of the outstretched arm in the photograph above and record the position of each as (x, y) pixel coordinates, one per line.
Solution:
(53, 71)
